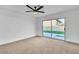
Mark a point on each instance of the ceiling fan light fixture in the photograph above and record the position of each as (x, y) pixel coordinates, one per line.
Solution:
(35, 13)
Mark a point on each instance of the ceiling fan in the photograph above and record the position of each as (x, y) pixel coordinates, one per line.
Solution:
(35, 9)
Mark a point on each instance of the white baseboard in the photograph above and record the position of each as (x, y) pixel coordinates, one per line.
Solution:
(17, 39)
(74, 42)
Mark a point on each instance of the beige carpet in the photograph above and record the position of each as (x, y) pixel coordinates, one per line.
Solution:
(39, 45)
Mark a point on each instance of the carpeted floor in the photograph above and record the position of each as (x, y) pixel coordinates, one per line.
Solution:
(40, 45)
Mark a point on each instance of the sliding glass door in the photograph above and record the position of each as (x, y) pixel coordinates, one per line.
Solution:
(47, 28)
(54, 29)
(58, 29)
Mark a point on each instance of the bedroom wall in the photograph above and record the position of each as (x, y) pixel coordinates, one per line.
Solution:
(15, 26)
(71, 24)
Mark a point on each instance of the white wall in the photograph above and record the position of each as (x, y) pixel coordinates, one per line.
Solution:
(71, 24)
(15, 26)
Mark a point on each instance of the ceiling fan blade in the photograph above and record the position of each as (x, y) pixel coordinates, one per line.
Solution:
(39, 8)
(41, 11)
(30, 7)
(29, 11)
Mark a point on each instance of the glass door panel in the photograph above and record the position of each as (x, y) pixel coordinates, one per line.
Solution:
(47, 28)
(58, 29)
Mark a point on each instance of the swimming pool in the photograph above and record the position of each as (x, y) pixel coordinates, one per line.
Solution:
(53, 35)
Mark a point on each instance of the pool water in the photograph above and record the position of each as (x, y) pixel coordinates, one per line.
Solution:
(54, 35)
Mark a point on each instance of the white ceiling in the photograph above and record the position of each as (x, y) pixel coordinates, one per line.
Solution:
(49, 9)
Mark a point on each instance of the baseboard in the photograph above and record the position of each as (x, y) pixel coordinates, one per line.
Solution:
(12, 41)
(38, 36)
(72, 42)
(4, 43)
